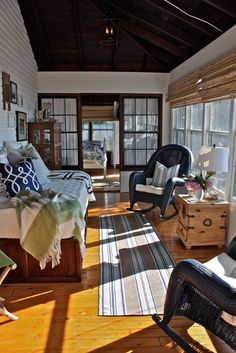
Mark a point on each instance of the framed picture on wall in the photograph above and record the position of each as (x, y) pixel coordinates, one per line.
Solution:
(21, 126)
(13, 92)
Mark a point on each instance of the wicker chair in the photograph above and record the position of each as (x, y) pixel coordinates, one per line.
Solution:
(197, 292)
(169, 156)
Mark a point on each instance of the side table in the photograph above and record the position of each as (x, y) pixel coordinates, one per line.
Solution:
(202, 222)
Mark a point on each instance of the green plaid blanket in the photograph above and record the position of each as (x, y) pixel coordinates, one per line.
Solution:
(43, 217)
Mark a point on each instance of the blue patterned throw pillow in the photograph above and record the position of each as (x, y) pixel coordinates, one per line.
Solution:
(19, 177)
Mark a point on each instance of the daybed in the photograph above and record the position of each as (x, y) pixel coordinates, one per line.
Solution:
(95, 155)
(73, 183)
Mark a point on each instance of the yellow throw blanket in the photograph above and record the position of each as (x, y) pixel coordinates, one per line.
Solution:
(43, 216)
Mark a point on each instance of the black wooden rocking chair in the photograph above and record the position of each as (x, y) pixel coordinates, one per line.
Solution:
(201, 294)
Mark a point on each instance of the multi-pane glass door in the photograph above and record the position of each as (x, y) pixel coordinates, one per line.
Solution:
(64, 110)
(141, 129)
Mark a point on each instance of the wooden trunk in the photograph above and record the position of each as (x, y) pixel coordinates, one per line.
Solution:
(28, 270)
(202, 222)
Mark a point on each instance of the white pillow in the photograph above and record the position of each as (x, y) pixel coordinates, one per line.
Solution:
(14, 144)
(162, 174)
(3, 156)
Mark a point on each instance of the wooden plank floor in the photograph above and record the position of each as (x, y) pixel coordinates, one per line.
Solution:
(63, 318)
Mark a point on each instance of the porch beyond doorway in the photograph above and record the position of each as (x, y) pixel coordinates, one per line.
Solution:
(108, 183)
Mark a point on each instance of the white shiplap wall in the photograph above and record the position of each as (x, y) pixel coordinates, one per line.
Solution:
(17, 59)
(214, 50)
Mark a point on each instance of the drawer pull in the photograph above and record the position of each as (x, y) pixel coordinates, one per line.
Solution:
(207, 222)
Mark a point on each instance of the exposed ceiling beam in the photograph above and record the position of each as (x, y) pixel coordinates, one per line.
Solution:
(42, 33)
(154, 52)
(140, 14)
(226, 6)
(170, 10)
(148, 51)
(154, 39)
(145, 61)
(115, 49)
(76, 16)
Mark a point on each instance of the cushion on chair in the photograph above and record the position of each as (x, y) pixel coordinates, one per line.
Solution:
(149, 188)
(162, 174)
(19, 177)
(225, 267)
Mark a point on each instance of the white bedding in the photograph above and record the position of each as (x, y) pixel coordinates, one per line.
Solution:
(8, 220)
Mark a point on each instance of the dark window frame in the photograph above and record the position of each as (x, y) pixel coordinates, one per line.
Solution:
(122, 132)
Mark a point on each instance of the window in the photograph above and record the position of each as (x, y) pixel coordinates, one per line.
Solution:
(98, 131)
(218, 133)
(103, 130)
(179, 124)
(195, 135)
(85, 132)
(141, 130)
(204, 124)
(219, 123)
(188, 125)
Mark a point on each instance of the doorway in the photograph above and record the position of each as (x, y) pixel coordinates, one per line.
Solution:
(100, 140)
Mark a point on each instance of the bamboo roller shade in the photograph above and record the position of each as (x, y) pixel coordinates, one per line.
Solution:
(97, 112)
(216, 80)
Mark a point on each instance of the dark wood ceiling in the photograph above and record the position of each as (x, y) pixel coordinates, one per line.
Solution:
(149, 35)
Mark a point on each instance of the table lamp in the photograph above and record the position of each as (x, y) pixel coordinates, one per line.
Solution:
(213, 159)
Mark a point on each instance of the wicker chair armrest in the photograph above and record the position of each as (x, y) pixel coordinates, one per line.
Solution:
(206, 281)
(137, 178)
(231, 249)
(172, 183)
(169, 190)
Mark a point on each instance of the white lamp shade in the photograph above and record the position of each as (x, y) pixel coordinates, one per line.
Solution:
(213, 159)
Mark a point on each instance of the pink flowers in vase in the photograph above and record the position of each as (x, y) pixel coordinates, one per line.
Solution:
(199, 181)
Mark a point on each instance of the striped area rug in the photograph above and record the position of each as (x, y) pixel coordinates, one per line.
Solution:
(135, 266)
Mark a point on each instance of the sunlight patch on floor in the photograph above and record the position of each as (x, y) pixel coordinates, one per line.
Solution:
(200, 334)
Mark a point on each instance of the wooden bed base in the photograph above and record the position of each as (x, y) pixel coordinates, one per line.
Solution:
(28, 270)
